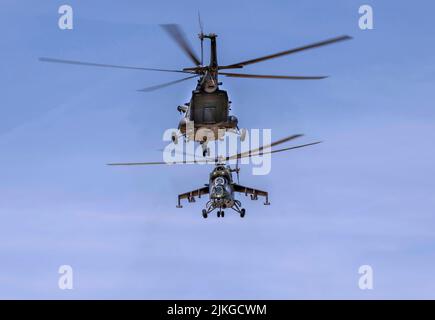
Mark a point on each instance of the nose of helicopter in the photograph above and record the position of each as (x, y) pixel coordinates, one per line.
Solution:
(218, 192)
(222, 203)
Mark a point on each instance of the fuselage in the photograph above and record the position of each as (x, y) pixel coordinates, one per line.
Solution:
(221, 189)
(206, 115)
(208, 111)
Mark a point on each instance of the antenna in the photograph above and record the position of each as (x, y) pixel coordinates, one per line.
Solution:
(201, 36)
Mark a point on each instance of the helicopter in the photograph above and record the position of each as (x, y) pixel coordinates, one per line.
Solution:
(206, 117)
(222, 187)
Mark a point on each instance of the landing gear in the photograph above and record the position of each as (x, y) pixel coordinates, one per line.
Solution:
(204, 214)
(237, 208)
(206, 152)
(205, 148)
(220, 214)
(242, 213)
(174, 137)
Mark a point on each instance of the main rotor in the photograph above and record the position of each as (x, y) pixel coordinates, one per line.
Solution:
(208, 74)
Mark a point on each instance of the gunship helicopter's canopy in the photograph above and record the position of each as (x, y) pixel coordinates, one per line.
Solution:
(177, 35)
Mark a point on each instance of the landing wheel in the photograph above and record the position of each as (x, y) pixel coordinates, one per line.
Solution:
(174, 138)
(242, 213)
(222, 214)
(206, 152)
(204, 214)
(218, 214)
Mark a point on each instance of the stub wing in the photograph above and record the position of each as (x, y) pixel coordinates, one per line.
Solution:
(254, 193)
(190, 196)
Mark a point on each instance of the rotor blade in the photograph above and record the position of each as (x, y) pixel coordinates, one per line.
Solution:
(264, 76)
(201, 36)
(203, 69)
(156, 163)
(135, 163)
(289, 148)
(281, 150)
(201, 25)
(211, 161)
(175, 32)
(282, 53)
(167, 84)
(92, 64)
(250, 152)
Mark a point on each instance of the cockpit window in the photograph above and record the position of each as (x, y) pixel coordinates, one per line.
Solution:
(218, 190)
(219, 181)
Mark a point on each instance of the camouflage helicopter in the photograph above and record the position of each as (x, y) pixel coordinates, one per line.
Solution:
(206, 116)
(221, 187)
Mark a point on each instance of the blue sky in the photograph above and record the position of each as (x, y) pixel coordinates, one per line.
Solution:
(365, 196)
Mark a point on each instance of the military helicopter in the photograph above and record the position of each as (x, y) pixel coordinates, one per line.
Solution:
(221, 187)
(206, 116)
